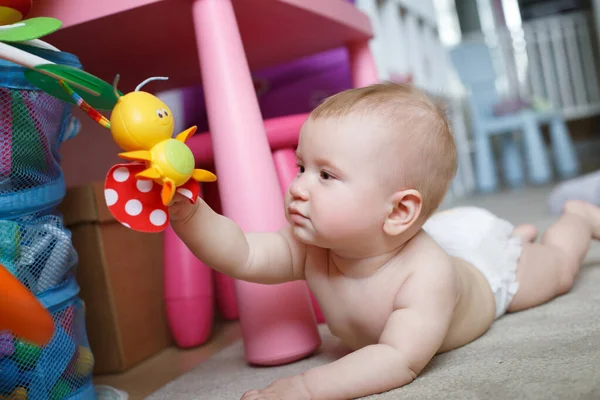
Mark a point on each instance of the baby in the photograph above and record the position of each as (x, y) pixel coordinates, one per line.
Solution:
(395, 283)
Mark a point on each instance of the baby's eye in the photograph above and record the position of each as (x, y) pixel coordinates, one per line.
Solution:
(300, 168)
(165, 112)
(325, 175)
(159, 113)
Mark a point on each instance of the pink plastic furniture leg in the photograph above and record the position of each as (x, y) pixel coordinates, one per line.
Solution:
(282, 133)
(188, 293)
(285, 164)
(278, 323)
(224, 285)
(362, 65)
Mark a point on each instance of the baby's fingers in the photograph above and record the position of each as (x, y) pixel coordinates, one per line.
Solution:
(181, 208)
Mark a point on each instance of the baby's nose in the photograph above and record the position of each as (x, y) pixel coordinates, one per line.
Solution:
(298, 191)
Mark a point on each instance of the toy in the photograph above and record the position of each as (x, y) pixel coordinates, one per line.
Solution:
(7, 347)
(84, 362)
(26, 355)
(9, 375)
(36, 252)
(21, 313)
(12, 11)
(61, 390)
(43, 73)
(142, 125)
(138, 193)
(20, 393)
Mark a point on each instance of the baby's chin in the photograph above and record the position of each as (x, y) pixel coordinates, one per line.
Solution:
(302, 235)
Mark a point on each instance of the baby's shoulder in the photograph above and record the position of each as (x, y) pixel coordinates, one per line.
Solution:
(427, 262)
(424, 252)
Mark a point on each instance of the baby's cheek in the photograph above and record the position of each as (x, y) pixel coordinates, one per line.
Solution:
(341, 218)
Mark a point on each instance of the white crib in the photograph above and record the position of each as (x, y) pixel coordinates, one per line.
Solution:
(555, 60)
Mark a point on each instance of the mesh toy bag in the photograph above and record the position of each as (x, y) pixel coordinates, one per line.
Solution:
(34, 244)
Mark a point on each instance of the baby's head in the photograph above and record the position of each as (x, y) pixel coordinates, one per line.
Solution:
(373, 157)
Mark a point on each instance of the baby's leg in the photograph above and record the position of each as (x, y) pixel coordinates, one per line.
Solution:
(548, 269)
(527, 232)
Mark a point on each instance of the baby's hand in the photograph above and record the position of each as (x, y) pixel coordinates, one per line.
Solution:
(181, 208)
(292, 388)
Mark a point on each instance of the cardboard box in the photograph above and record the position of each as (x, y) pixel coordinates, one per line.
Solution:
(121, 277)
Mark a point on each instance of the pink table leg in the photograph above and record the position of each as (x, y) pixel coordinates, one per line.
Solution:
(224, 285)
(278, 323)
(188, 293)
(285, 164)
(362, 65)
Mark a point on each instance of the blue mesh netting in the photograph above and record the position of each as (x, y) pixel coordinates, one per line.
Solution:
(37, 249)
(33, 124)
(34, 245)
(61, 369)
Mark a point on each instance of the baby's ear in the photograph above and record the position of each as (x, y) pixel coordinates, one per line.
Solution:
(405, 211)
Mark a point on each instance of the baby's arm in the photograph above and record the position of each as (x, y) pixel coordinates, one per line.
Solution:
(222, 245)
(413, 334)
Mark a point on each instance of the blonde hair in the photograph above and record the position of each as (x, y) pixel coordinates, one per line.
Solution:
(428, 164)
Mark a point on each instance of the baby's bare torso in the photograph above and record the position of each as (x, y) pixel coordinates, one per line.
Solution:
(357, 309)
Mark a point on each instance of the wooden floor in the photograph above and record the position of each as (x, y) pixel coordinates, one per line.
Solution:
(145, 378)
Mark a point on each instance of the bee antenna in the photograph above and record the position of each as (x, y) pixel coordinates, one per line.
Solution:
(154, 78)
(115, 82)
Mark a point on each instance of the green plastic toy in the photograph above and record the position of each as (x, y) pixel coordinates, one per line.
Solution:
(45, 74)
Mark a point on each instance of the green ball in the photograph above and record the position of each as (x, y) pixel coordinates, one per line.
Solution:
(60, 391)
(26, 354)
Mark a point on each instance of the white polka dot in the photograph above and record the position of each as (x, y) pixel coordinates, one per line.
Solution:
(111, 197)
(144, 185)
(121, 174)
(158, 217)
(133, 207)
(186, 192)
(125, 224)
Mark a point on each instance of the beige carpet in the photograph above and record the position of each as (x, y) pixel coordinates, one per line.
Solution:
(550, 352)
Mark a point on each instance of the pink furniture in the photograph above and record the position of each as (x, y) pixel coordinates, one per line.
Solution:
(217, 42)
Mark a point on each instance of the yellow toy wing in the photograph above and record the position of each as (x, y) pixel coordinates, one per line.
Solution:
(168, 192)
(185, 135)
(201, 175)
(150, 173)
(138, 155)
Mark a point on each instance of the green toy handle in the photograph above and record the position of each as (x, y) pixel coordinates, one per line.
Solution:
(31, 61)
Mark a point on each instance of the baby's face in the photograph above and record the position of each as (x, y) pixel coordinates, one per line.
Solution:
(337, 200)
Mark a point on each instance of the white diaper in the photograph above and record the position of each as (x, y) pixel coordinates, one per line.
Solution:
(484, 240)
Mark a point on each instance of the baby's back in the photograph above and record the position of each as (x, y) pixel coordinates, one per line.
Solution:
(475, 308)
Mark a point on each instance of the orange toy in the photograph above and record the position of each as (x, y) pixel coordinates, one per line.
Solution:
(21, 313)
(12, 11)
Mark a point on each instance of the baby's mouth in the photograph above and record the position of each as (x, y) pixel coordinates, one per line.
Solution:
(296, 216)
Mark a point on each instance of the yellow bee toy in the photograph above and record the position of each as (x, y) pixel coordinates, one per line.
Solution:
(142, 125)
(138, 193)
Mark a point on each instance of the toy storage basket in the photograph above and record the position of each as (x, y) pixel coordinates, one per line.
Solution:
(34, 244)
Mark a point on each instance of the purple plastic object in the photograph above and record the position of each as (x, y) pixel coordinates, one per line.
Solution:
(290, 88)
(7, 347)
(300, 86)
